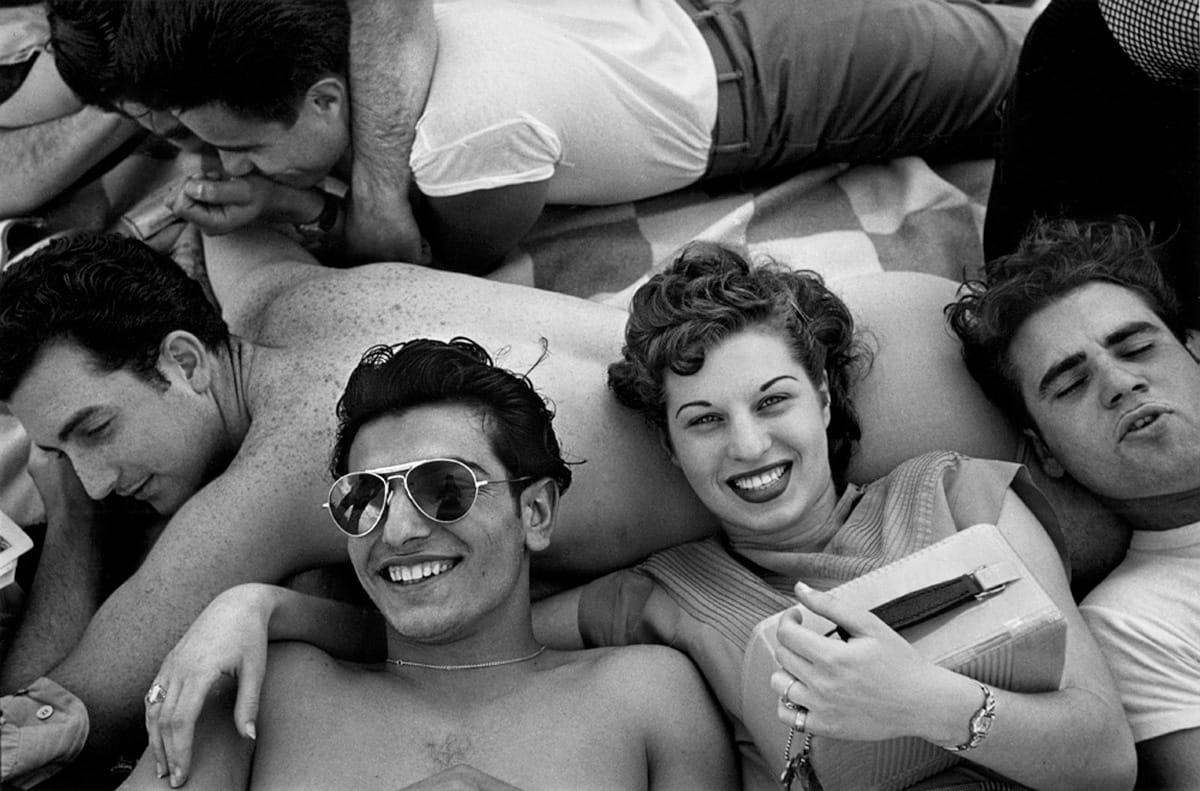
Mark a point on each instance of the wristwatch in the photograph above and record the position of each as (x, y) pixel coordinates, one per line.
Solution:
(981, 722)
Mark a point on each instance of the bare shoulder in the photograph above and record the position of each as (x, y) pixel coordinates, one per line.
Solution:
(299, 674)
(640, 676)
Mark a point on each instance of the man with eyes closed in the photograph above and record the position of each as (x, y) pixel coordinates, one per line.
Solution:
(1078, 338)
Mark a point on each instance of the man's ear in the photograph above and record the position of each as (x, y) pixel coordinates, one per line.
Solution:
(328, 95)
(182, 351)
(539, 507)
(1049, 463)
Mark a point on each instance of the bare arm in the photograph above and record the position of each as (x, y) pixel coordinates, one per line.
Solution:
(229, 641)
(699, 756)
(67, 586)
(247, 525)
(43, 160)
(1170, 762)
(393, 47)
(224, 757)
(1075, 737)
(556, 621)
(473, 232)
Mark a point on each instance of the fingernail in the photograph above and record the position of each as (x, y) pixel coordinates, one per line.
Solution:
(158, 767)
(250, 730)
(800, 586)
(176, 778)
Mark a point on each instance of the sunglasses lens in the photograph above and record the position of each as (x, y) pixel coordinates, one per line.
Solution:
(443, 490)
(356, 502)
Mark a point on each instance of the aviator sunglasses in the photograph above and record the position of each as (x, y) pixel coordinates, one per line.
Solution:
(443, 490)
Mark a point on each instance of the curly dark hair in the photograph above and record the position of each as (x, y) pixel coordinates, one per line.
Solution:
(1055, 258)
(112, 295)
(391, 379)
(710, 293)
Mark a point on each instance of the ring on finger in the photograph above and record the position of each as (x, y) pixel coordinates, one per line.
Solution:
(785, 699)
(801, 719)
(156, 695)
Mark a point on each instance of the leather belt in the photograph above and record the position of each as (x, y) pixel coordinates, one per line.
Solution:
(729, 137)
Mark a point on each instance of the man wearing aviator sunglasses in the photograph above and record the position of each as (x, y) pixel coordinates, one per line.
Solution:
(441, 545)
(441, 489)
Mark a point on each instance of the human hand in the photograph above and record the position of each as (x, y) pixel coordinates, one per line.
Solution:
(218, 205)
(871, 687)
(383, 229)
(461, 778)
(227, 640)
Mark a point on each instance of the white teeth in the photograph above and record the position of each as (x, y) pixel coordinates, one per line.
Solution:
(1142, 421)
(409, 574)
(761, 480)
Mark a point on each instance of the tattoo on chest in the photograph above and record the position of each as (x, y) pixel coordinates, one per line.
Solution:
(453, 749)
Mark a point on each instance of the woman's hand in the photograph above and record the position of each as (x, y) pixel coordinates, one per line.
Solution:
(871, 687)
(229, 638)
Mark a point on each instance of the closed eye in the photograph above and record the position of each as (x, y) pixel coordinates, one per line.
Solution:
(1071, 388)
(98, 431)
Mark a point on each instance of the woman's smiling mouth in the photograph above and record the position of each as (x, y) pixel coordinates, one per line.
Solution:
(763, 484)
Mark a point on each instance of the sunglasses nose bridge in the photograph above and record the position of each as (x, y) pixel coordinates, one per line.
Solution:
(402, 519)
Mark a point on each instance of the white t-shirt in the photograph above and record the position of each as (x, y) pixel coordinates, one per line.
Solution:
(1146, 617)
(611, 100)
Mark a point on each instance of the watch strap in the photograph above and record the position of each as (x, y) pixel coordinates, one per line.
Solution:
(981, 722)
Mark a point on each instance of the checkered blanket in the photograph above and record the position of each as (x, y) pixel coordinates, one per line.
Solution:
(840, 220)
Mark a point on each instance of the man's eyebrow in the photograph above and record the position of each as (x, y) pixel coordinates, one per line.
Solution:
(1060, 368)
(1127, 331)
(69, 427)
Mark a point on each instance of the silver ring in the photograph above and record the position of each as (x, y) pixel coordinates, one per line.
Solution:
(801, 719)
(787, 704)
(156, 695)
(788, 689)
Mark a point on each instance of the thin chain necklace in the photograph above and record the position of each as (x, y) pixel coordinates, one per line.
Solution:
(474, 666)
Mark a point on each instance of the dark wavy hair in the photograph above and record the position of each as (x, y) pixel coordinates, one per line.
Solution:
(114, 296)
(392, 379)
(710, 293)
(1055, 258)
(83, 34)
(255, 57)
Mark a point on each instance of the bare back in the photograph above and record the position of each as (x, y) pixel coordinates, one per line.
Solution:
(317, 322)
